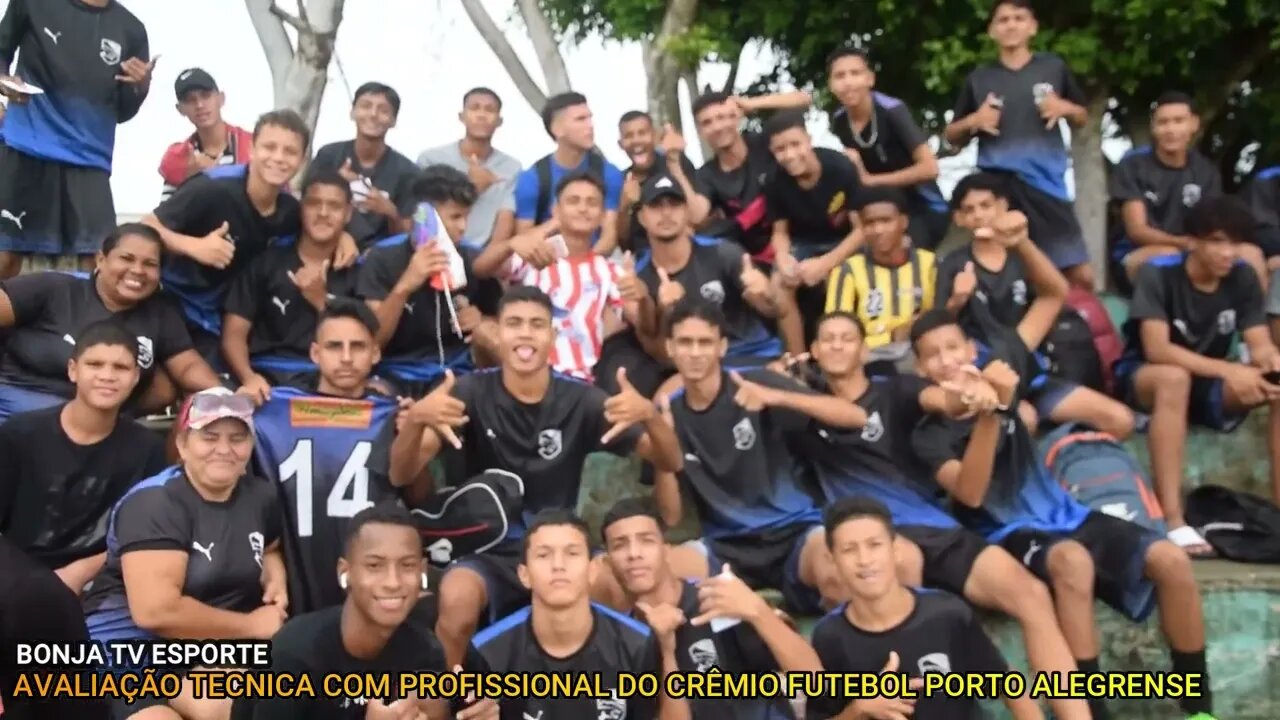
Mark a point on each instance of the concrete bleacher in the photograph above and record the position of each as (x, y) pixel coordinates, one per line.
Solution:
(1241, 602)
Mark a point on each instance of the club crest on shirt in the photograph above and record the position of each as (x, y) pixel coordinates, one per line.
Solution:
(611, 708)
(934, 663)
(1020, 292)
(712, 291)
(874, 429)
(110, 52)
(1190, 194)
(744, 434)
(146, 352)
(257, 544)
(549, 444)
(1226, 322)
(703, 654)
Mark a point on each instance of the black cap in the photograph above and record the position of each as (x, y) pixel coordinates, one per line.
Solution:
(193, 79)
(660, 186)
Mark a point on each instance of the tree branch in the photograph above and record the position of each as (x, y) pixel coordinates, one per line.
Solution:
(550, 60)
(274, 40)
(497, 42)
(1248, 53)
(732, 80)
(292, 21)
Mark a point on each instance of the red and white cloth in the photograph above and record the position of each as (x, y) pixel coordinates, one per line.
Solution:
(582, 288)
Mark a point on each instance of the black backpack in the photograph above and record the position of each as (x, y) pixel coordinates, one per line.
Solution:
(1240, 526)
(1071, 352)
(595, 166)
(460, 521)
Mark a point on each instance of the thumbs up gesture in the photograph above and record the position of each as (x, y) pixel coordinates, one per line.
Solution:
(672, 142)
(347, 172)
(965, 283)
(482, 177)
(987, 118)
(754, 282)
(214, 250)
(626, 408)
(751, 396)
(1009, 230)
(313, 282)
(630, 287)
(669, 292)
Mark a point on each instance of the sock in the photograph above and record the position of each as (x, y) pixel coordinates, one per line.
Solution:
(1097, 706)
(1194, 663)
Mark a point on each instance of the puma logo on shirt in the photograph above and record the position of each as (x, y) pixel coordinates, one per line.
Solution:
(282, 304)
(206, 551)
(15, 219)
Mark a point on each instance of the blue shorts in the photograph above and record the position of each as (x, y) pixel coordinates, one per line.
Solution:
(1119, 551)
(1206, 406)
(14, 400)
(769, 559)
(1049, 393)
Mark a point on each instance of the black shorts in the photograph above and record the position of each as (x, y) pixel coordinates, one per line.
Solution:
(1206, 407)
(624, 350)
(949, 554)
(1048, 393)
(1119, 551)
(1051, 222)
(49, 208)
(497, 567)
(927, 228)
(770, 559)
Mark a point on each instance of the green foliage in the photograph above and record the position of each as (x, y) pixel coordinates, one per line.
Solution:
(1131, 49)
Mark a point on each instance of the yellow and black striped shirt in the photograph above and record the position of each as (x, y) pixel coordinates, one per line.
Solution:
(883, 298)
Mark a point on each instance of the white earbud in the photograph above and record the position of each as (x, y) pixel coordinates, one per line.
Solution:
(425, 582)
(342, 580)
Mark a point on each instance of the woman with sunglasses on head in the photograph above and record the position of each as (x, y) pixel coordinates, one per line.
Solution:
(194, 552)
(41, 314)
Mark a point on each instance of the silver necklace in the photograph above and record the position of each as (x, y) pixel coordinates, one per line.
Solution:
(857, 135)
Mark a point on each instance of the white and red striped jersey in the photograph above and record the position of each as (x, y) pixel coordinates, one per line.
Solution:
(582, 288)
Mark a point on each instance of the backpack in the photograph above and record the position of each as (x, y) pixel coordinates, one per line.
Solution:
(471, 518)
(595, 166)
(1105, 338)
(1239, 526)
(1071, 352)
(1101, 475)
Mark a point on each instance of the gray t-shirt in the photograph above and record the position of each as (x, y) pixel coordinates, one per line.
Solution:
(499, 196)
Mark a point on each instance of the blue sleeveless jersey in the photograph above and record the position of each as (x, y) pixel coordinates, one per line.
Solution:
(316, 449)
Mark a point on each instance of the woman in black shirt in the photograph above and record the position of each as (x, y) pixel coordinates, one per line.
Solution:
(44, 312)
(194, 552)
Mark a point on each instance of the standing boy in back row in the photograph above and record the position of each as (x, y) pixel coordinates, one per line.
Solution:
(1014, 107)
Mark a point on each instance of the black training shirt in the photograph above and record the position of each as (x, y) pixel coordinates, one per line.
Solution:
(425, 323)
(888, 144)
(1001, 296)
(941, 635)
(72, 51)
(284, 322)
(546, 444)
(311, 645)
(714, 273)
(617, 644)
(224, 542)
(743, 478)
(50, 311)
(393, 174)
(1202, 322)
(1168, 193)
(56, 495)
(198, 207)
(817, 217)
(738, 195)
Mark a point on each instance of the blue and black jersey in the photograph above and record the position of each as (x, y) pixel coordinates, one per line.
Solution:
(1036, 154)
(616, 644)
(73, 52)
(876, 459)
(198, 207)
(743, 478)
(316, 452)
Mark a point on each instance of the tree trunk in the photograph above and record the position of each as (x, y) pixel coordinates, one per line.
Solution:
(299, 74)
(497, 42)
(1091, 184)
(661, 67)
(547, 48)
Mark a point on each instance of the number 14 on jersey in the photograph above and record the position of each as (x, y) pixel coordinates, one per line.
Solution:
(348, 495)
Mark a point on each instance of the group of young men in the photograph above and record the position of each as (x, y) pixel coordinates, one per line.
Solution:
(851, 414)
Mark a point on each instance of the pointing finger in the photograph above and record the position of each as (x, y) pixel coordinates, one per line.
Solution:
(662, 275)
